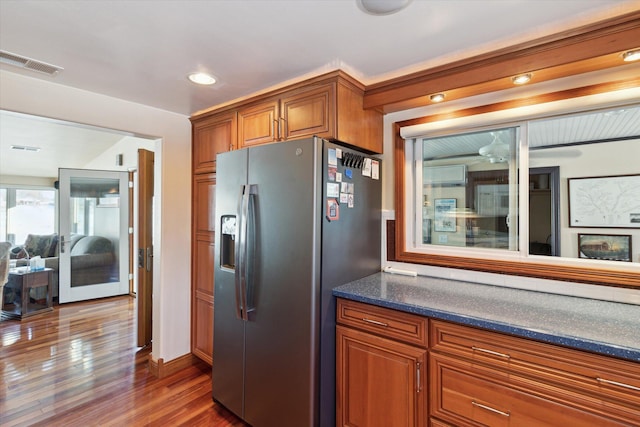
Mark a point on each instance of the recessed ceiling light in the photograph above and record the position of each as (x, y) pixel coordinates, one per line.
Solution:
(521, 79)
(437, 97)
(202, 78)
(631, 55)
(382, 7)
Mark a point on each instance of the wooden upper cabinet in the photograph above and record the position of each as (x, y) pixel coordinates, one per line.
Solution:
(328, 106)
(212, 135)
(308, 113)
(258, 123)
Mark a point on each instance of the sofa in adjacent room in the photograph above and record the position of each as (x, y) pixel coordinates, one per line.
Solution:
(93, 258)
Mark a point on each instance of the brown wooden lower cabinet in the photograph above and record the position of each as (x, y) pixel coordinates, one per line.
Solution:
(468, 395)
(475, 377)
(381, 382)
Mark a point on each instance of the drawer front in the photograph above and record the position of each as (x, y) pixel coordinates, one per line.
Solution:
(393, 324)
(467, 396)
(594, 376)
(40, 278)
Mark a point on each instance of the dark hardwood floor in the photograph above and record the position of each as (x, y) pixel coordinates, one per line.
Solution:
(79, 366)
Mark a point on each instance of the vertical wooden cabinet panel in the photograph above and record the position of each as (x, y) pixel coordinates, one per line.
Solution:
(212, 135)
(204, 198)
(379, 382)
(203, 342)
(202, 259)
(258, 124)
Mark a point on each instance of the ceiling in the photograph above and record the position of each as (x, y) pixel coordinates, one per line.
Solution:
(142, 50)
(60, 144)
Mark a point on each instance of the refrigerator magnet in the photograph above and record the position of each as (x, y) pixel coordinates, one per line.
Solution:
(366, 169)
(348, 173)
(375, 169)
(350, 200)
(344, 198)
(333, 189)
(333, 210)
(332, 173)
(339, 153)
(332, 159)
(338, 177)
(344, 187)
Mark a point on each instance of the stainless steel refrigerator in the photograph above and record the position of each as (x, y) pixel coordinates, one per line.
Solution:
(293, 220)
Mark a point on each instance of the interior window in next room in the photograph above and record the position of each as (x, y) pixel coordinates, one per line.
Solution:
(469, 189)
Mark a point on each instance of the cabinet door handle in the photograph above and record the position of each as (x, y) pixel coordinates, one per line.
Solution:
(629, 386)
(489, 408)
(495, 353)
(418, 377)
(375, 322)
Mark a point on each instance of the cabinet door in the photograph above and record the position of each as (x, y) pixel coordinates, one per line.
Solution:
(212, 135)
(379, 382)
(309, 113)
(258, 124)
(203, 238)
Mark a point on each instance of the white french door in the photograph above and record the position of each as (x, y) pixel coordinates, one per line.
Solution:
(94, 241)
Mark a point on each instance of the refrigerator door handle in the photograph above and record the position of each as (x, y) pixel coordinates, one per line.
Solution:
(242, 251)
(249, 242)
(239, 253)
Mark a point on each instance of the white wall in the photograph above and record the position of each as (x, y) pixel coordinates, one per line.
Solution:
(128, 147)
(171, 304)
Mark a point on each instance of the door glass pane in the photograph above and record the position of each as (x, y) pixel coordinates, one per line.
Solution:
(95, 228)
(469, 189)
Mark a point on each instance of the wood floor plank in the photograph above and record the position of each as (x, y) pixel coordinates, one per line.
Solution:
(79, 366)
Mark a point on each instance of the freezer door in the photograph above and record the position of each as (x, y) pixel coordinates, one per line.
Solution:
(281, 334)
(228, 328)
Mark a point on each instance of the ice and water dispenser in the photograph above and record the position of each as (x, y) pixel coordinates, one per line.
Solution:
(228, 242)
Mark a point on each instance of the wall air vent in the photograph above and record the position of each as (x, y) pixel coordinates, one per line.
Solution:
(28, 63)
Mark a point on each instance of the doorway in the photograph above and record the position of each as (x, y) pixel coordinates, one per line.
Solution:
(544, 211)
(94, 234)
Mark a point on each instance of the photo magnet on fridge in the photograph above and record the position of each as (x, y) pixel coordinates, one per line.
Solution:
(333, 210)
(332, 173)
(375, 169)
(366, 169)
(333, 189)
(332, 158)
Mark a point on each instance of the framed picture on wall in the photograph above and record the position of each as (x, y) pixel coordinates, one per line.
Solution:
(605, 246)
(605, 202)
(445, 215)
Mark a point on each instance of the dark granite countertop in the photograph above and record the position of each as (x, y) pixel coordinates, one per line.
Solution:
(599, 326)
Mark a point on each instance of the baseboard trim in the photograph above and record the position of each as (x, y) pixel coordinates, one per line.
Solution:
(161, 369)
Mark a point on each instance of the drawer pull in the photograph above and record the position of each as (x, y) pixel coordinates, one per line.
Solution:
(495, 353)
(375, 322)
(489, 408)
(602, 380)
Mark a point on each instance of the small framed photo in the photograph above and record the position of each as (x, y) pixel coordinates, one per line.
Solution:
(605, 246)
(445, 215)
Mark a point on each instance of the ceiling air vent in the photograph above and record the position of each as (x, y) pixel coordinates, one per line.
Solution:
(28, 63)
(25, 148)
